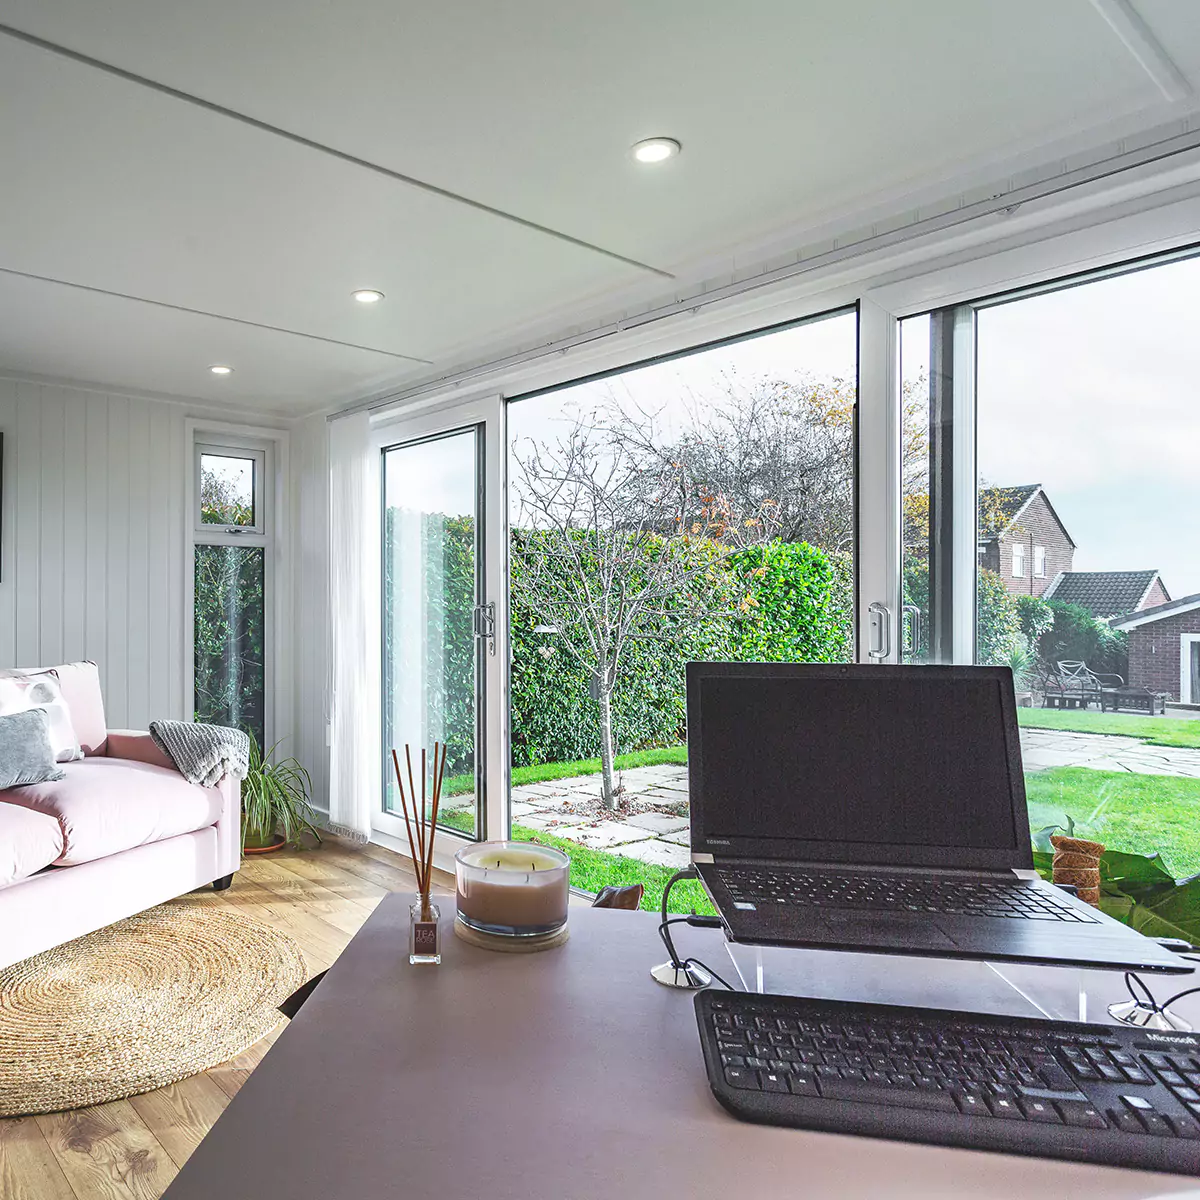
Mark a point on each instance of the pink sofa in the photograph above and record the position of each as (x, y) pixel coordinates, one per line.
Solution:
(121, 832)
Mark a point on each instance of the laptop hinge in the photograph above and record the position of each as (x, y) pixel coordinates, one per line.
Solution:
(701, 858)
(1025, 873)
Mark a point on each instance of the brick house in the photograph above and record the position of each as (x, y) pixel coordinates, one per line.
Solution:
(1164, 648)
(1022, 539)
(1109, 594)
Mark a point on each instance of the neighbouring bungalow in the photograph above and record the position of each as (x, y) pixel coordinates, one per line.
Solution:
(1164, 648)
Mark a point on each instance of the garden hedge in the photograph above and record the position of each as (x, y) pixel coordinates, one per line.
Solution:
(800, 609)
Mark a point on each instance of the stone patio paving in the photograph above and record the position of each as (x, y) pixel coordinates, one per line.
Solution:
(654, 827)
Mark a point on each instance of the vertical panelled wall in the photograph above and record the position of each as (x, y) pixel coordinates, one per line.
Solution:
(93, 542)
(310, 612)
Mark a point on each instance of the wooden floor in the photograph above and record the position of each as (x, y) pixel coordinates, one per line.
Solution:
(132, 1149)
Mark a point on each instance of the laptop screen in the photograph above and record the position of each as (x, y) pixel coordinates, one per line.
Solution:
(899, 765)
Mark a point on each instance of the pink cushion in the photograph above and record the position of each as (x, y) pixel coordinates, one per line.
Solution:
(29, 841)
(105, 805)
(80, 684)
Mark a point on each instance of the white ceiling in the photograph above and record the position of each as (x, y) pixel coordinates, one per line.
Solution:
(143, 236)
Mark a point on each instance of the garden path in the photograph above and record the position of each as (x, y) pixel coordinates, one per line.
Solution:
(653, 827)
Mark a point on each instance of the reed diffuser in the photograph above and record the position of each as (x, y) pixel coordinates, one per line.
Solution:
(421, 826)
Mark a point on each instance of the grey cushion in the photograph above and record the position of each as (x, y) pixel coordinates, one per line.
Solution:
(25, 752)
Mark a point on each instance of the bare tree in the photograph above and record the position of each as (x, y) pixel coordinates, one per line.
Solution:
(620, 542)
(788, 443)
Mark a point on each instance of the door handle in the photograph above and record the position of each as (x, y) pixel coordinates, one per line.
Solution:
(483, 624)
(914, 629)
(880, 617)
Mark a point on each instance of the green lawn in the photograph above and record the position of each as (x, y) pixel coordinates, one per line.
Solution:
(458, 785)
(1142, 813)
(1158, 731)
(593, 869)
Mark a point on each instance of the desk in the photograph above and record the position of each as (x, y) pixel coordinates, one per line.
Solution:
(566, 1075)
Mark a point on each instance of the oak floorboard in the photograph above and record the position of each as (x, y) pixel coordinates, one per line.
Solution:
(106, 1152)
(180, 1114)
(28, 1167)
(131, 1149)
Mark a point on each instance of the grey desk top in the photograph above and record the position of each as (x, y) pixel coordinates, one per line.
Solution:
(567, 1074)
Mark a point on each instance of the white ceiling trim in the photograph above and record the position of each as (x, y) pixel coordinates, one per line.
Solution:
(322, 148)
(1150, 54)
(200, 312)
(900, 236)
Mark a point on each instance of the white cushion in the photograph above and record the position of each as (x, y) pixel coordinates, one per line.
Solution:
(20, 692)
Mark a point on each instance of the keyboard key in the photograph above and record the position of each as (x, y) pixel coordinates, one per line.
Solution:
(739, 1077)
(1055, 1078)
(1003, 1107)
(866, 1093)
(1041, 1111)
(971, 1104)
(1081, 1113)
(772, 1081)
(803, 1085)
(1156, 1124)
(1185, 1128)
(1125, 1120)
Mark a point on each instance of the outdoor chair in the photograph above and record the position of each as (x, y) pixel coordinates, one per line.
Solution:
(1072, 684)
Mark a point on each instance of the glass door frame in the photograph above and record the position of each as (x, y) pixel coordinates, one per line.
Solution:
(488, 417)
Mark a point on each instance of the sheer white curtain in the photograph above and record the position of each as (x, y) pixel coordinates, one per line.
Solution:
(354, 623)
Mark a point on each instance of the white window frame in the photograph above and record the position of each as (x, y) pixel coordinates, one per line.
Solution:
(256, 453)
(1039, 562)
(271, 448)
(1018, 560)
(1186, 642)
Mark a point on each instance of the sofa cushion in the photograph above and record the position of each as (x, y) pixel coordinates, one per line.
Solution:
(80, 684)
(29, 841)
(26, 755)
(19, 693)
(105, 805)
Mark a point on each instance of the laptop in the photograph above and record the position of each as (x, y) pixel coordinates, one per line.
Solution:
(879, 808)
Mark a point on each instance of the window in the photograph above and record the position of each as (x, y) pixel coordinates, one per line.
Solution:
(1031, 435)
(231, 570)
(230, 489)
(701, 506)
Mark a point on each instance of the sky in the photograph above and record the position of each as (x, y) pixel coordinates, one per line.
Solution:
(1091, 391)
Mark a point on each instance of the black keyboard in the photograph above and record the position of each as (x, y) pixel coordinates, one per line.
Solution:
(763, 886)
(1102, 1094)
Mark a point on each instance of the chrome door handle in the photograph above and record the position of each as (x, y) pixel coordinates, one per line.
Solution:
(914, 629)
(483, 624)
(880, 617)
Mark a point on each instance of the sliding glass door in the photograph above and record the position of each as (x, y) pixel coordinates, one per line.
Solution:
(1049, 527)
(439, 641)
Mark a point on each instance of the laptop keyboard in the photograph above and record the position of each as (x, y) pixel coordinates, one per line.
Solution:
(763, 886)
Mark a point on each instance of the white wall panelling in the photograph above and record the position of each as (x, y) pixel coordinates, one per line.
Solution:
(93, 556)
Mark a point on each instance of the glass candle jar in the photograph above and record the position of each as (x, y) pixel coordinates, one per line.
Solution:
(516, 889)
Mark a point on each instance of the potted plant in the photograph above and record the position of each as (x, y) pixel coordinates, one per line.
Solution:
(275, 808)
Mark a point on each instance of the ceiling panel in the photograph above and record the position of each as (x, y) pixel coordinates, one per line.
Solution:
(785, 107)
(117, 187)
(67, 334)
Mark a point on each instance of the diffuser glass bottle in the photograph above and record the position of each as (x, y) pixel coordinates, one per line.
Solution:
(423, 946)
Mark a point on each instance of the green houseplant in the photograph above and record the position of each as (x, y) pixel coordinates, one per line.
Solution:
(275, 802)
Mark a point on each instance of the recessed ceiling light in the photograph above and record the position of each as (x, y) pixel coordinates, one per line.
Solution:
(655, 150)
(220, 370)
(367, 296)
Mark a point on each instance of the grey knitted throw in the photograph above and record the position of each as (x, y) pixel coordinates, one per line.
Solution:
(204, 754)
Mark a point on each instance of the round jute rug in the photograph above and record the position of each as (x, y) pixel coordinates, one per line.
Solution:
(146, 1002)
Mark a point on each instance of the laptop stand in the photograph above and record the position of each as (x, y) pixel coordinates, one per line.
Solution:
(1017, 989)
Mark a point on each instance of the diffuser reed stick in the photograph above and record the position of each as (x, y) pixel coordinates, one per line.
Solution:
(421, 823)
